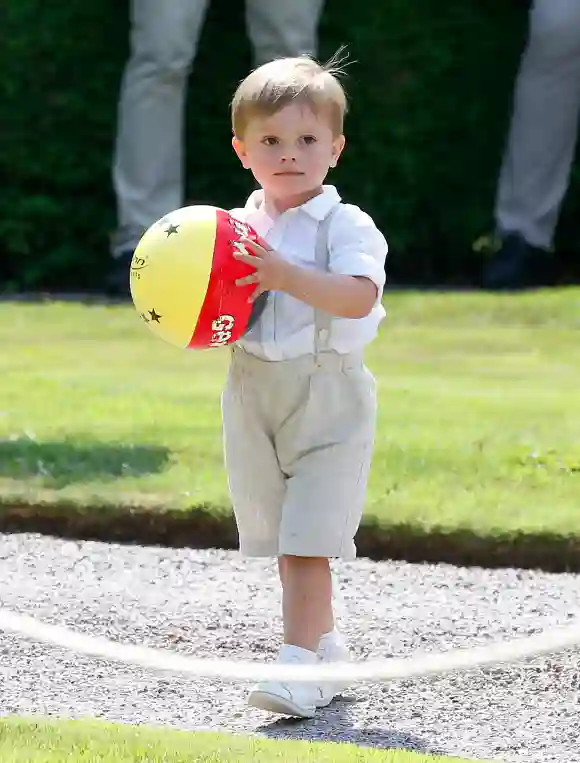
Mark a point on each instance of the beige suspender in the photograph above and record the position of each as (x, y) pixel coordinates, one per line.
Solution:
(322, 320)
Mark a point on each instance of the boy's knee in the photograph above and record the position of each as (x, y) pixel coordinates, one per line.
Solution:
(288, 560)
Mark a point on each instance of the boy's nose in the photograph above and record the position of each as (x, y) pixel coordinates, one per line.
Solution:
(288, 158)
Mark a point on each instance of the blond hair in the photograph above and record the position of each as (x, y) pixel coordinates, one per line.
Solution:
(283, 81)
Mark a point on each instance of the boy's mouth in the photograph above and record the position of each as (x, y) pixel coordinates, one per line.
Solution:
(288, 173)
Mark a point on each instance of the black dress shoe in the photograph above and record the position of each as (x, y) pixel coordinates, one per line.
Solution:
(119, 274)
(518, 265)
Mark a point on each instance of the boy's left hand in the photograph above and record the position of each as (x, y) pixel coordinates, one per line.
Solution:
(271, 269)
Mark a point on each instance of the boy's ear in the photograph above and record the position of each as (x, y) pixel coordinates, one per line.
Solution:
(240, 150)
(337, 149)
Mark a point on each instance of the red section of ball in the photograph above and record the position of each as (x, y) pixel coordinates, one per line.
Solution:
(226, 310)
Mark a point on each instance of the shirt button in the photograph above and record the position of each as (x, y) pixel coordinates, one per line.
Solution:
(324, 335)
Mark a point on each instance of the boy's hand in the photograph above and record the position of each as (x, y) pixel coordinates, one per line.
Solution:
(271, 269)
(341, 295)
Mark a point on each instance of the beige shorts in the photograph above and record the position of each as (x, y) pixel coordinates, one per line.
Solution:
(298, 441)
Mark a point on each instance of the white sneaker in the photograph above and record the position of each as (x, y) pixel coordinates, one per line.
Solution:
(294, 698)
(332, 648)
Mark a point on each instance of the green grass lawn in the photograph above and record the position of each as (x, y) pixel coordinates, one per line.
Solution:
(29, 741)
(479, 412)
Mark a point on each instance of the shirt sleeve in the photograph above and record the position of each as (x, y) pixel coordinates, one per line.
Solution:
(357, 246)
(239, 213)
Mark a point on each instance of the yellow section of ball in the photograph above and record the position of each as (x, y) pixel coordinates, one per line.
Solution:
(171, 269)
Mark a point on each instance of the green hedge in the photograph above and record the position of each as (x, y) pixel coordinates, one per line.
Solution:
(430, 91)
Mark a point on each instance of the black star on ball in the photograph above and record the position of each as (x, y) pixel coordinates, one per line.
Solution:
(155, 317)
(171, 229)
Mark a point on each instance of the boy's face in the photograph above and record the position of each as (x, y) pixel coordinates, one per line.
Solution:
(289, 153)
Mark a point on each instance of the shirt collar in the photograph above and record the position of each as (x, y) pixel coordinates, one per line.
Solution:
(317, 208)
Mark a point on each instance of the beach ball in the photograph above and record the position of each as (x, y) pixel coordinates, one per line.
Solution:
(183, 276)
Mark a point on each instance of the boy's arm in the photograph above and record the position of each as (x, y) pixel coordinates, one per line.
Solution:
(344, 296)
(358, 252)
(357, 268)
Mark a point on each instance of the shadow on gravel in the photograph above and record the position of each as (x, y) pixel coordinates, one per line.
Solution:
(65, 462)
(333, 725)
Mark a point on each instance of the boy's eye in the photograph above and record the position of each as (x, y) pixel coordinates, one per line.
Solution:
(309, 139)
(269, 140)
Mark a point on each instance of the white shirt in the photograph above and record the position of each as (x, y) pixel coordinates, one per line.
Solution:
(357, 248)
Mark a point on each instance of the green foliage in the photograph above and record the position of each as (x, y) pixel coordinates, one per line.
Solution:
(430, 87)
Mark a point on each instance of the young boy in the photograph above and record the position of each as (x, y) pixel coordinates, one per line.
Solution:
(299, 404)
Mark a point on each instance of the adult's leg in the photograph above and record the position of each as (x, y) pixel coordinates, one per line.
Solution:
(148, 156)
(535, 172)
(279, 28)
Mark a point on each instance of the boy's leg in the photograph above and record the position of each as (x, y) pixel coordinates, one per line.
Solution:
(255, 481)
(309, 620)
(326, 454)
(326, 451)
(307, 611)
(257, 487)
(331, 643)
(306, 600)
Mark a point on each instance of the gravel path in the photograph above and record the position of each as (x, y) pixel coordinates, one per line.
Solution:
(215, 603)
